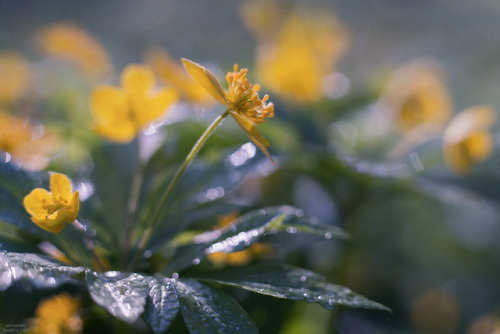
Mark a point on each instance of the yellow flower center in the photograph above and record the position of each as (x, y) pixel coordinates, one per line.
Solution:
(244, 97)
(55, 205)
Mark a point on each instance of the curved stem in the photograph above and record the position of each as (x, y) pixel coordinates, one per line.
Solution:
(187, 161)
(89, 244)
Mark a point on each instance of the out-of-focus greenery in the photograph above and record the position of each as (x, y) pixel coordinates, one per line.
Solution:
(385, 126)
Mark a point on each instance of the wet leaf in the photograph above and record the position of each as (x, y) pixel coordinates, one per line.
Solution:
(208, 310)
(246, 230)
(292, 283)
(162, 303)
(40, 271)
(122, 294)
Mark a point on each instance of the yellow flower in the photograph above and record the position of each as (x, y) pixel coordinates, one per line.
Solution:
(15, 77)
(242, 99)
(172, 73)
(57, 315)
(294, 58)
(467, 140)
(51, 210)
(27, 145)
(67, 41)
(121, 112)
(417, 96)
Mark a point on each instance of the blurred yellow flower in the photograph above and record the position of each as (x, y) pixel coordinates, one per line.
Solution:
(15, 76)
(242, 99)
(51, 210)
(172, 72)
(240, 258)
(417, 97)
(263, 18)
(29, 146)
(57, 315)
(67, 41)
(436, 311)
(121, 112)
(467, 140)
(294, 58)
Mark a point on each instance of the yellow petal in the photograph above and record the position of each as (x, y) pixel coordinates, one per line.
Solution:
(111, 110)
(74, 206)
(34, 202)
(59, 217)
(121, 132)
(42, 223)
(137, 80)
(156, 106)
(205, 79)
(250, 128)
(109, 103)
(60, 186)
(457, 159)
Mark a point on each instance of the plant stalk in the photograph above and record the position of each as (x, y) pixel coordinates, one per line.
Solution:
(187, 161)
(133, 200)
(89, 244)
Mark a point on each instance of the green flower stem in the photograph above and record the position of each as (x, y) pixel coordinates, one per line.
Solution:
(90, 245)
(135, 190)
(187, 161)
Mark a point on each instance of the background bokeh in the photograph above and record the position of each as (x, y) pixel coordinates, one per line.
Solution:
(427, 245)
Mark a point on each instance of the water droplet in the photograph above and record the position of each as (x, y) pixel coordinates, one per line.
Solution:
(196, 261)
(175, 275)
(291, 230)
(112, 273)
(148, 253)
(328, 235)
(303, 278)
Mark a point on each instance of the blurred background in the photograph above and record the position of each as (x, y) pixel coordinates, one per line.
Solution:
(424, 227)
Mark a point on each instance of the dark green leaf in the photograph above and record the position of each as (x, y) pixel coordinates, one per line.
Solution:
(292, 283)
(208, 310)
(16, 183)
(162, 303)
(122, 294)
(40, 271)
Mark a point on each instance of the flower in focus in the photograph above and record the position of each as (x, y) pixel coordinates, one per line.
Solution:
(68, 42)
(121, 112)
(173, 73)
(28, 145)
(15, 78)
(417, 97)
(57, 315)
(242, 99)
(467, 140)
(51, 210)
(295, 57)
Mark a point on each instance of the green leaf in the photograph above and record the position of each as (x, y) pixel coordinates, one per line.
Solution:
(16, 183)
(246, 230)
(122, 294)
(292, 283)
(208, 310)
(162, 303)
(40, 271)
